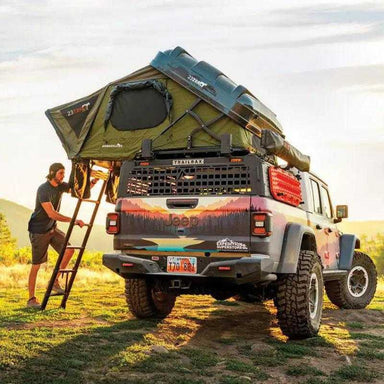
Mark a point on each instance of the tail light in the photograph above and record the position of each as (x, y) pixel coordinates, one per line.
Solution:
(113, 223)
(224, 268)
(127, 265)
(284, 186)
(261, 224)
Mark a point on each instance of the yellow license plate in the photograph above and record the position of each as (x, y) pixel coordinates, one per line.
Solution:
(179, 264)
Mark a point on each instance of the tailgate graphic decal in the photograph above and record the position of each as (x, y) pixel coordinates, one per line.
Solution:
(215, 224)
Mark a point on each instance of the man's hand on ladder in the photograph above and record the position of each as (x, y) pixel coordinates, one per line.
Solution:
(80, 223)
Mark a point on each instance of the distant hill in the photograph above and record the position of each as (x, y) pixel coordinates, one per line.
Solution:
(18, 216)
(370, 228)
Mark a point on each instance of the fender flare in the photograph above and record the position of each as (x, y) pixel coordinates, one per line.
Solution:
(292, 241)
(347, 249)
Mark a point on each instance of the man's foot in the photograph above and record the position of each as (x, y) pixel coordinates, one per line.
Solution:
(33, 303)
(57, 288)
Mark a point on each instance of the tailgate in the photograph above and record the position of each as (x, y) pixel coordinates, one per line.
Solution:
(187, 223)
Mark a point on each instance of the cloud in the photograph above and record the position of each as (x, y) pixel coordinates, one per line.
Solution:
(374, 89)
(366, 19)
(371, 147)
(364, 13)
(369, 78)
(46, 59)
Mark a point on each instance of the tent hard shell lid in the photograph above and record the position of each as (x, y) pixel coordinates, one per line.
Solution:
(217, 89)
(177, 102)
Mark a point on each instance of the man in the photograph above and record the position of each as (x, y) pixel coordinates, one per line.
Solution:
(42, 227)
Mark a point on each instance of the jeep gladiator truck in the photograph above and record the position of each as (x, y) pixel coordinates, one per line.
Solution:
(233, 225)
(202, 206)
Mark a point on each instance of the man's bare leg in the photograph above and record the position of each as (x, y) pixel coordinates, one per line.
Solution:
(32, 279)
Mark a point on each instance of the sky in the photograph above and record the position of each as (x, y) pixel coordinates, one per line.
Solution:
(318, 65)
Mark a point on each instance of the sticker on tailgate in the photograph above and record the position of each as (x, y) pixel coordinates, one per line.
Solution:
(230, 245)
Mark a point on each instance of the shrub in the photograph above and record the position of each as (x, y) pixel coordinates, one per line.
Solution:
(375, 249)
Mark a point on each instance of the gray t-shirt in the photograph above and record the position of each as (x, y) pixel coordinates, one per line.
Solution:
(40, 221)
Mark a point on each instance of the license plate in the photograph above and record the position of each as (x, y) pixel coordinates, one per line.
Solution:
(179, 264)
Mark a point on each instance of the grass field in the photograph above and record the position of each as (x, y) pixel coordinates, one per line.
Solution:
(96, 340)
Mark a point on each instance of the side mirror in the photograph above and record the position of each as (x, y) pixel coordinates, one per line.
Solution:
(341, 212)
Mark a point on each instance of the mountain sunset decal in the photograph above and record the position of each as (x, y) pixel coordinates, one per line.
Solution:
(199, 228)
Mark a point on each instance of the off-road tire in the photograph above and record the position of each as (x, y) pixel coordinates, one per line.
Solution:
(339, 292)
(145, 300)
(293, 298)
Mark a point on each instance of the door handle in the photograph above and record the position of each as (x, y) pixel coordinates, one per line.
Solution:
(318, 226)
(182, 203)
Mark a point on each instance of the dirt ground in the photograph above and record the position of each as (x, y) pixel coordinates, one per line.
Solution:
(96, 340)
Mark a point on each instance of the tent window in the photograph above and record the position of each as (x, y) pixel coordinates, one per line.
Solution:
(138, 105)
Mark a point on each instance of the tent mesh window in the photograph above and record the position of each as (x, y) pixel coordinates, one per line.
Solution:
(214, 180)
(138, 105)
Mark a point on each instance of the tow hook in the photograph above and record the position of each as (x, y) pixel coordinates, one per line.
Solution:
(179, 284)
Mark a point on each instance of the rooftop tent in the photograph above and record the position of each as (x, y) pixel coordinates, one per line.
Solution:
(177, 101)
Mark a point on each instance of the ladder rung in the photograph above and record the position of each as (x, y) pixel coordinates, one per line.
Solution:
(57, 294)
(74, 247)
(66, 270)
(87, 225)
(90, 201)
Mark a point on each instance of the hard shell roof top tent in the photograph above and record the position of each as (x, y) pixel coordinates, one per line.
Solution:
(165, 102)
(178, 103)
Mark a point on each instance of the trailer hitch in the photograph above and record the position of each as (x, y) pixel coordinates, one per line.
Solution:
(179, 284)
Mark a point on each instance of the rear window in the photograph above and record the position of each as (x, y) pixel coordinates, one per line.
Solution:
(316, 197)
(327, 208)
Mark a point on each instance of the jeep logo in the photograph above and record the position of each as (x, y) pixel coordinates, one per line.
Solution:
(183, 221)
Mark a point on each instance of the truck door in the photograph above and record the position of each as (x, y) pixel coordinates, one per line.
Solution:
(322, 224)
(330, 227)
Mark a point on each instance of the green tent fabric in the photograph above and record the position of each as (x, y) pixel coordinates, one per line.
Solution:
(73, 121)
(86, 128)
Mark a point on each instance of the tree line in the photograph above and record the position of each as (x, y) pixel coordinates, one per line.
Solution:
(10, 254)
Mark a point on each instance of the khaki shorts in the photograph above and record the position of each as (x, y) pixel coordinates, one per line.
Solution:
(41, 241)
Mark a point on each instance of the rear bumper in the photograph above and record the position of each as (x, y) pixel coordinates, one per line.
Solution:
(243, 270)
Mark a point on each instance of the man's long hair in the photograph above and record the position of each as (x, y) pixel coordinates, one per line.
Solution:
(53, 169)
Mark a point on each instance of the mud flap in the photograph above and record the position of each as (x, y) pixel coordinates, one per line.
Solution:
(347, 248)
